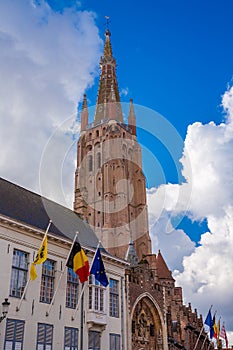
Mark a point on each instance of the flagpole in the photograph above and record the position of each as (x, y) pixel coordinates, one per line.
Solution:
(198, 337)
(24, 291)
(218, 332)
(28, 281)
(62, 272)
(84, 286)
(95, 254)
(79, 300)
(204, 341)
(201, 331)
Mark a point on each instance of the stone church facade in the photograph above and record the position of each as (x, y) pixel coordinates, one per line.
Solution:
(110, 194)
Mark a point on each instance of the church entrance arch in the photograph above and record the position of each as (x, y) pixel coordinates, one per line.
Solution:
(147, 327)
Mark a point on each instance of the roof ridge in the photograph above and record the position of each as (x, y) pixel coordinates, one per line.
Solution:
(34, 193)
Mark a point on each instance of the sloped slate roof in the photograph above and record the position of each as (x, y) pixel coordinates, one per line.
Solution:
(162, 269)
(30, 208)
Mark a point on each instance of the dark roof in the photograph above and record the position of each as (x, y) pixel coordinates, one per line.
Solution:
(32, 209)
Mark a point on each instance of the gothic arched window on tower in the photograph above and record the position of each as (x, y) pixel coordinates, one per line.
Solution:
(130, 153)
(98, 160)
(90, 162)
(124, 149)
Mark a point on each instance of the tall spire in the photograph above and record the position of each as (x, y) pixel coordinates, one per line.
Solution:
(132, 118)
(84, 114)
(108, 99)
(131, 255)
(107, 46)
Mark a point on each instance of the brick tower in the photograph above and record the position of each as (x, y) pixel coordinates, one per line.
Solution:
(110, 194)
(110, 191)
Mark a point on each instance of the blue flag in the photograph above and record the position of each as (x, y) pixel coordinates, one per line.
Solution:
(208, 320)
(98, 269)
(212, 328)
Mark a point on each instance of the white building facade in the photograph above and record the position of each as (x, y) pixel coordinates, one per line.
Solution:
(95, 321)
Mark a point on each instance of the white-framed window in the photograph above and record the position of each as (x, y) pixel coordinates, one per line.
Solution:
(113, 298)
(44, 336)
(96, 295)
(72, 289)
(114, 341)
(19, 273)
(47, 281)
(71, 338)
(14, 334)
(93, 340)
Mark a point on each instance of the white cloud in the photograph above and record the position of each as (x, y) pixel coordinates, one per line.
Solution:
(124, 92)
(174, 244)
(46, 63)
(47, 60)
(206, 270)
(209, 148)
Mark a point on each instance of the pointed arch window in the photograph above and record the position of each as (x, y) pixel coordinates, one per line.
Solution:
(90, 162)
(98, 160)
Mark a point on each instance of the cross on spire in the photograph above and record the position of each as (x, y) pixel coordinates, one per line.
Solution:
(107, 22)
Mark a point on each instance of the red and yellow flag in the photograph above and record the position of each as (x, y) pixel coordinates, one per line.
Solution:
(215, 328)
(78, 261)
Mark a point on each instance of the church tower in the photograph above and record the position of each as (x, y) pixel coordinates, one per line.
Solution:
(110, 190)
(110, 194)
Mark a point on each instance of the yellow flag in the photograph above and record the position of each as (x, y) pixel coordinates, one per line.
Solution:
(41, 256)
(218, 328)
(33, 273)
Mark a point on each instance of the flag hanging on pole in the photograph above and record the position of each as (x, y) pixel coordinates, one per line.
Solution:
(223, 334)
(215, 328)
(98, 269)
(41, 256)
(208, 320)
(218, 328)
(78, 262)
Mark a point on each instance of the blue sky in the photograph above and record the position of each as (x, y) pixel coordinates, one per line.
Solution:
(174, 58)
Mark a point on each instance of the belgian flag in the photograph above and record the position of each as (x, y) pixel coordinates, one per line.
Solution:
(78, 262)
